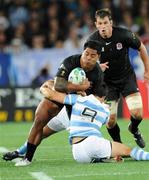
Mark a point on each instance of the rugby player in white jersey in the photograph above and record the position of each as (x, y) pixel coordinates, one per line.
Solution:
(88, 115)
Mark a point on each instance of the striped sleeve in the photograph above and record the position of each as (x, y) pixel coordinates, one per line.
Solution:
(70, 99)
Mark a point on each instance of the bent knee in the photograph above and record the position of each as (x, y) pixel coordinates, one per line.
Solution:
(137, 113)
(112, 121)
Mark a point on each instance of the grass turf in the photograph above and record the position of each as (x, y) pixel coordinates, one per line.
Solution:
(53, 157)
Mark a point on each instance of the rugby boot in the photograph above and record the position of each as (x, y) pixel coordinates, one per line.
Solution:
(137, 136)
(12, 155)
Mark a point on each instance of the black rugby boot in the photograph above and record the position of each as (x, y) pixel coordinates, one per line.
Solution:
(137, 136)
(12, 155)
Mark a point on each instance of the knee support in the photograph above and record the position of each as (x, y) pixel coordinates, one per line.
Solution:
(134, 102)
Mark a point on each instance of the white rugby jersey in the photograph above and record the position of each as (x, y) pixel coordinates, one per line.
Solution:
(87, 117)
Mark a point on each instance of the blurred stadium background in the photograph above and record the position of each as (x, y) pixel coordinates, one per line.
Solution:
(35, 36)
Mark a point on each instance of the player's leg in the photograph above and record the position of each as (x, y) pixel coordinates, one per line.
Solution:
(112, 125)
(20, 152)
(56, 124)
(139, 154)
(134, 103)
(44, 112)
(119, 149)
(47, 131)
(94, 149)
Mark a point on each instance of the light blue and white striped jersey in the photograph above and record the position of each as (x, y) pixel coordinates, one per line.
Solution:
(87, 116)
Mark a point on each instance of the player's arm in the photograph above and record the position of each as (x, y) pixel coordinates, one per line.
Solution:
(145, 58)
(62, 85)
(52, 94)
(134, 42)
(58, 96)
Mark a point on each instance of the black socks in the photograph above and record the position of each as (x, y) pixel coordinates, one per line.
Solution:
(31, 148)
(115, 133)
(134, 124)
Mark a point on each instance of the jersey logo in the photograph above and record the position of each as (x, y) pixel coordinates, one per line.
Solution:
(133, 36)
(107, 43)
(62, 66)
(119, 46)
(102, 50)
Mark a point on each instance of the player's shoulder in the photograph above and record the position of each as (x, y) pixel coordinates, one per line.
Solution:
(120, 31)
(94, 35)
(72, 60)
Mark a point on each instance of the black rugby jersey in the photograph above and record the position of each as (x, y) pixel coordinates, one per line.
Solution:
(95, 76)
(115, 51)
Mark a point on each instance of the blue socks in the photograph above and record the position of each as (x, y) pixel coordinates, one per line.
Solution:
(22, 150)
(139, 154)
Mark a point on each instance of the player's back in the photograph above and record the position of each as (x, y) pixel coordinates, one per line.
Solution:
(88, 115)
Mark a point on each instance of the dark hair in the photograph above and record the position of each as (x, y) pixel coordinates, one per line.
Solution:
(101, 90)
(96, 45)
(103, 13)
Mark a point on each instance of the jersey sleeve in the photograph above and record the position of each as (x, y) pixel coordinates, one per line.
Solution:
(63, 70)
(131, 40)
(70, 99)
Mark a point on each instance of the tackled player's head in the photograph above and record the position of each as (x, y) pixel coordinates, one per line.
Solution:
(101, 91)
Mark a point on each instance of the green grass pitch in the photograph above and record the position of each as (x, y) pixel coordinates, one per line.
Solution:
(53, 157)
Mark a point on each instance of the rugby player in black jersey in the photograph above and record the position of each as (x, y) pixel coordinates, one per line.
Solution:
(119, 74)
(46, 110)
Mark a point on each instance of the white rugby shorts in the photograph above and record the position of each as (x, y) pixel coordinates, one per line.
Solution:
(90, 148)
(59, 122)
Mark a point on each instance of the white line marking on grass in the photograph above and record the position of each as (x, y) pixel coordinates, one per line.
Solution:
(40, 175)
(104, 174)
(3, 150)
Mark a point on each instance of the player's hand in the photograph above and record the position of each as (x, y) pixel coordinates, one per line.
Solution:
(47, 92)
(48, 84)
(146, 76)
(104, 66)
(85, 84)
(82, 93)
